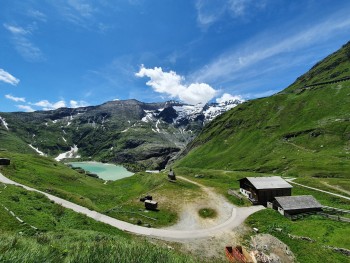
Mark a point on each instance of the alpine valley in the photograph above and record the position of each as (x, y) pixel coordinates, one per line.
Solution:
(139, 135)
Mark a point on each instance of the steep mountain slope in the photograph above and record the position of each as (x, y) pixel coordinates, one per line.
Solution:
(145, 134)
(304, 129)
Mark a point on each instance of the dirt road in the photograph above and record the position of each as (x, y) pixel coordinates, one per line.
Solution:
(237, 217)
(291, 180)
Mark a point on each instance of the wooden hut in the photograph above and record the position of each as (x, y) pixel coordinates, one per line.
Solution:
(5, 161)
(261, 190)
(151, 205)
(293, 205)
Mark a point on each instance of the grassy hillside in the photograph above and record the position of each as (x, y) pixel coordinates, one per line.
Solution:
(119, 199)
(66, 236)
(329, 233)
(303, 132)
(300, 131)
(10, 142)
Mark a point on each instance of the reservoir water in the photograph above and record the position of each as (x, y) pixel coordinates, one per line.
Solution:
(103, 170)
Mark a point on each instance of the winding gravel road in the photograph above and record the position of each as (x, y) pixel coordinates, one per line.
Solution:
(239, 214)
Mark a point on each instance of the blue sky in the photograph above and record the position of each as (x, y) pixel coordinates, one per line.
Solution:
(73, 53)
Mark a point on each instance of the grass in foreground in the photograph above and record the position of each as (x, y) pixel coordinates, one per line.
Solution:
(79, 246)
(324, 232)
(66, 236)
(118, 199)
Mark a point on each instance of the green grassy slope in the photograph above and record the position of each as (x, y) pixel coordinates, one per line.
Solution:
(10, 142)
(296, 132)
(66, 236)
(117, 199)
(323, 232)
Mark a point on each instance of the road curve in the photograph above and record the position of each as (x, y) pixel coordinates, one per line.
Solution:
(238, 216)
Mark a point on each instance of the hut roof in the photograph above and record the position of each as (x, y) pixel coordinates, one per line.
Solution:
(298, 202)
(151, 202)
(272, 182)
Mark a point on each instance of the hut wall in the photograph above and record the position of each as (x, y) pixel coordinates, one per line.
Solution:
(267, 195)
(300, 211)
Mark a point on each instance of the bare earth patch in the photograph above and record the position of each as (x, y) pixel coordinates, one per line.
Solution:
(189, 218)
(271, 248)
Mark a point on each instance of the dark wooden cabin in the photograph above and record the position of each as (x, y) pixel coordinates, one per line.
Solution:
(151, 205)
(293, 205)
(5, 161)
(261, 190)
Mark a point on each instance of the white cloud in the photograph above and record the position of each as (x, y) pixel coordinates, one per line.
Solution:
(16, 30)
(25, 108)
(228, 97)
(81, 13)
(82, 7)
(22, 43)
(231, 64)
(209, 12)
(17, 99)
(37, 15)
(46, 105)
(78, 104)
(170, 83)
(8, 78)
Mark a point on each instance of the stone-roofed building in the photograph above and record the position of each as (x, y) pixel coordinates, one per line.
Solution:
(293, 205)
(261, 190)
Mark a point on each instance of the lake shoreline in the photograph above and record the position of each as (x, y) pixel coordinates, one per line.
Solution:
(105, 171)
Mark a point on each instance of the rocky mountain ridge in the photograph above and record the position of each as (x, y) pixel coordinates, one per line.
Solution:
(128, 131)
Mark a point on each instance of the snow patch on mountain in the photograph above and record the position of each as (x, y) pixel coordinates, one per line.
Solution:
(37, 150)
(4, 123)
(215, 109)
(73, 153)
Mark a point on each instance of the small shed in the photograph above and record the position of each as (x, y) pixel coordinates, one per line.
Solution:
(5, 161)
(261, 190)
(293, 205)
(151, 205)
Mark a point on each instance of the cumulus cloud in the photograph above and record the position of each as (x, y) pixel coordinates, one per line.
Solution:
(77, 104)
(25, 108)
(46, 105)
(17, 99)
(228, 97)
(171, 84)
(8, 78)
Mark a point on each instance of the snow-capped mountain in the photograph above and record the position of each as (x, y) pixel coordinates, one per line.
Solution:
(183, 113)
(129, 131)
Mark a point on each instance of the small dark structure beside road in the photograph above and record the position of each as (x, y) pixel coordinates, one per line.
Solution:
(261, 190)
(171, 175)
(151, 205)
(5, 161)
(293, 205)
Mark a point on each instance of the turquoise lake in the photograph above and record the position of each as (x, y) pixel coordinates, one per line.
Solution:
(103, 170)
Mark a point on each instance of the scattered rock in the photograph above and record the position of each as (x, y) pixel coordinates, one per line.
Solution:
(343, 251)
(268, 248)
